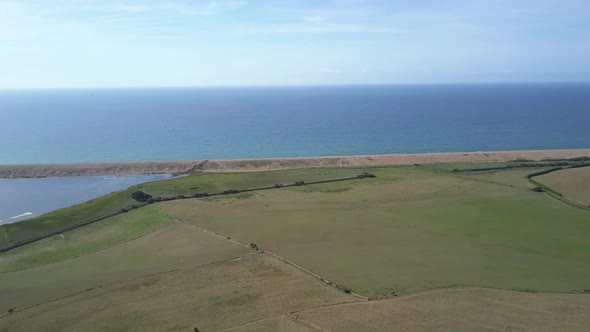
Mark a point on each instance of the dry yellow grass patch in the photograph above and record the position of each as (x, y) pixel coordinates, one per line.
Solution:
(172, 247)
(459, 310)
(237, 293)
(573, 183)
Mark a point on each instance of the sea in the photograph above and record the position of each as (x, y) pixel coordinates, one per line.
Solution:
(110, 125)
(94, 125)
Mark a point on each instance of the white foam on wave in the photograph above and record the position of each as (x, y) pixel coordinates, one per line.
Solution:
(21, 215)
(13, 219)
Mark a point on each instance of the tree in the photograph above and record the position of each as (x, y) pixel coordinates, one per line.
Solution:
(365, 175)
(140, 196)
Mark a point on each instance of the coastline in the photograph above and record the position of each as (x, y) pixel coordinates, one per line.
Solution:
(270, 164)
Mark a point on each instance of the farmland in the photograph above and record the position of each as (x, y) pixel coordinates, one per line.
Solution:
(411, 229)
(427, 244)
(573, 183)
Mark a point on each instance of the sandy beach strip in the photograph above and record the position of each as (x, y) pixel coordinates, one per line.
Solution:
(268, 164)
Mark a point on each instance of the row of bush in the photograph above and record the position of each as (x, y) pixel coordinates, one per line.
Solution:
(570, 159)
(553, 164)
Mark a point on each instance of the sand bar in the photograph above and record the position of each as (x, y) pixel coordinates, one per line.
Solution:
(267, 164)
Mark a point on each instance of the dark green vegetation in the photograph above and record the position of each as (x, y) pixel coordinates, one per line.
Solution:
(141, 196)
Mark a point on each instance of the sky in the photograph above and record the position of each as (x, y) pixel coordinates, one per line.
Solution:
(140, 43)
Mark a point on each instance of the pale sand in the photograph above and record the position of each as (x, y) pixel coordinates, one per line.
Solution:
(256, 165)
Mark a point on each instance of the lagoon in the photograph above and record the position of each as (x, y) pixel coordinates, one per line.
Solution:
(21, 199)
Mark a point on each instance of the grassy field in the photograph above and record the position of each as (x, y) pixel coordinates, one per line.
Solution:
(172, 247)
(66, 217)
(162, 267)
(411, 228)
(458, 310)
(100, 235)
(3, 238)
(573, 183)
(212, 297)
(509, 177)
(188, 185)
(218, 182)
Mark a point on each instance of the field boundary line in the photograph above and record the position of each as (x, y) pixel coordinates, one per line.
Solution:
(292, 316)
(226, 192)
(298, 320)
(552, 192)
(284, 260)
(172, 222)
(248, 323)
(461, 176)
(17, 310)
(442, 289)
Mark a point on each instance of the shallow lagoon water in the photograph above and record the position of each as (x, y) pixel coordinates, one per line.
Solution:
(21, 199)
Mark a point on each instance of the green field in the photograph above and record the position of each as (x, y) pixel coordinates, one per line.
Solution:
(70, 216)
(218, 182)
(411, 229)
(175, 246)
(189, 185)
(81, 241)
(183, 263)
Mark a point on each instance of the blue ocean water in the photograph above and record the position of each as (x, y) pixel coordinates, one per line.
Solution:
(21, 199)
(93, 125)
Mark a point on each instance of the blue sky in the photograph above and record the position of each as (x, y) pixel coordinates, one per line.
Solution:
(104, 43)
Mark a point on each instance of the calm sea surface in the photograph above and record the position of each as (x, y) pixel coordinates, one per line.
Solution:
(21, 199)
(64, 126)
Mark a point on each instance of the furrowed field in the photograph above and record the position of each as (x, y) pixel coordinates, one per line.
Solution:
(252, 261)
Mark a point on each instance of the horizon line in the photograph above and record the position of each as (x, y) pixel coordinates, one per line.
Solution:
(297, 85)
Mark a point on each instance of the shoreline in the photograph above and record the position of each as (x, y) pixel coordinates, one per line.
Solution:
(271, 164)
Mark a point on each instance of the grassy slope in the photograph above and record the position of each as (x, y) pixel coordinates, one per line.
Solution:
(509, 177)
(459, 310)
(411, 229)
(217, 182)
(174, 246)
(114, 202)
(209, 297)
(573, 183)
(100, 235)
(3, 237)
(69, 216)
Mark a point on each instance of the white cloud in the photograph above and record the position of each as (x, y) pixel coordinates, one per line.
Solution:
(132, 9)
(330, 70)
(206, 8)
(318, 28)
